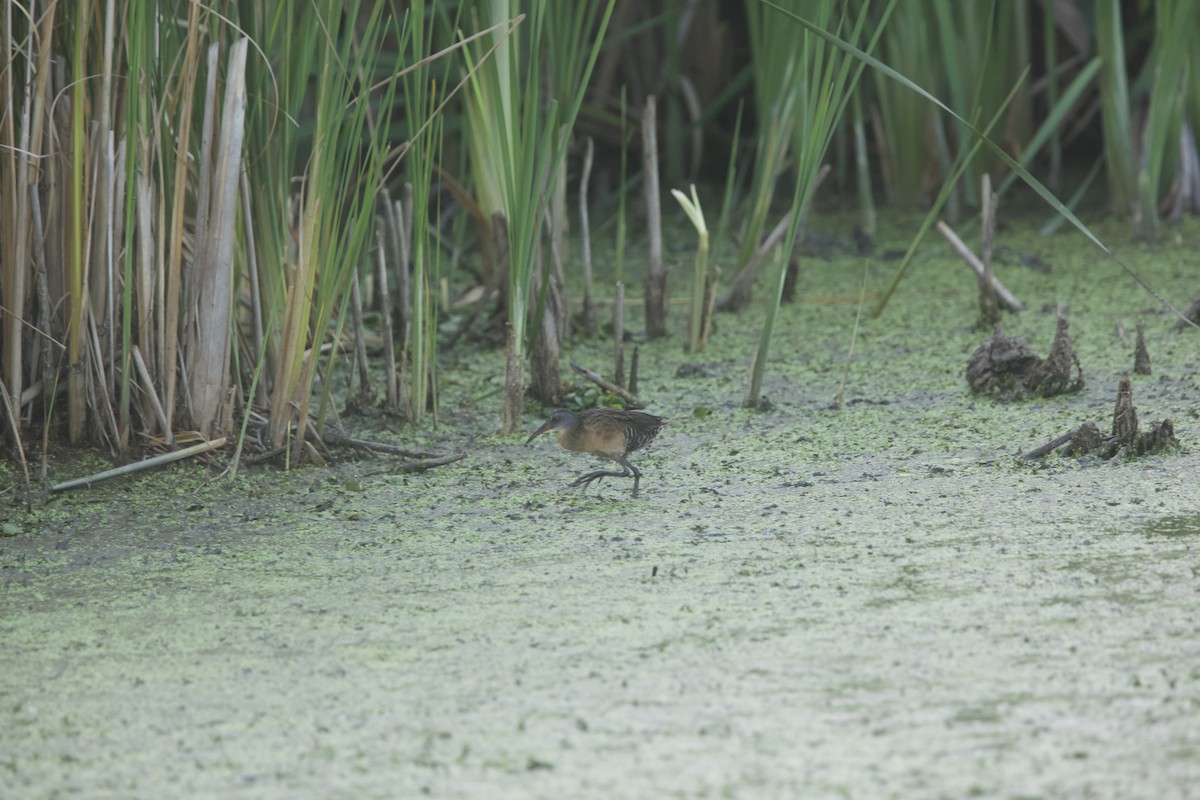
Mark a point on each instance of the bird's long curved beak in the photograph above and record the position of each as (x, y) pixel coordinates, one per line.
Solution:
(545, 427)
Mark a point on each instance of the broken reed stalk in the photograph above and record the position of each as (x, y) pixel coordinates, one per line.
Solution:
(165, 458)
(360, 338)
(585, 240)
(989, 314)
(404, 269)
(393, 218)
(1003, 295)
(656, 279)
(633, 372)
(545, 381)
(862, 299)
(1141, 355)
(630, 398)
(619, 335)
(557, 223)
(710, 305)
(256, 301)
(385, 319)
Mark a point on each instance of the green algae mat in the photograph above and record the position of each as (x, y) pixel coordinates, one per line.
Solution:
(880, 599)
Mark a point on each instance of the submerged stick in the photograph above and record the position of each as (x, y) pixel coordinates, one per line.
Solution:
(148, 463)
(629, 397)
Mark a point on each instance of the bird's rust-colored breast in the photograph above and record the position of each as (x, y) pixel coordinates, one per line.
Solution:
(604, 440)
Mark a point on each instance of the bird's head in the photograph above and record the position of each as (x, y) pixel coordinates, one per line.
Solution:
(562, 418)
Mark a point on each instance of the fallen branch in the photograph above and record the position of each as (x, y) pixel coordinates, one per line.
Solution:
(429, 463)
(629, 397)
(1005, 296)
(1049, 446)
(165, 458)
(333, 438)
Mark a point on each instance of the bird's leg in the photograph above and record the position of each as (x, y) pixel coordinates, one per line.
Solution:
(586, 480)
(630, 468)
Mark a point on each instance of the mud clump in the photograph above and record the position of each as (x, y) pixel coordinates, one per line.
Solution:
(1007, 367)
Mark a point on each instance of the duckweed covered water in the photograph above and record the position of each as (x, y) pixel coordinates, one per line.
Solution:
(877, 601)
